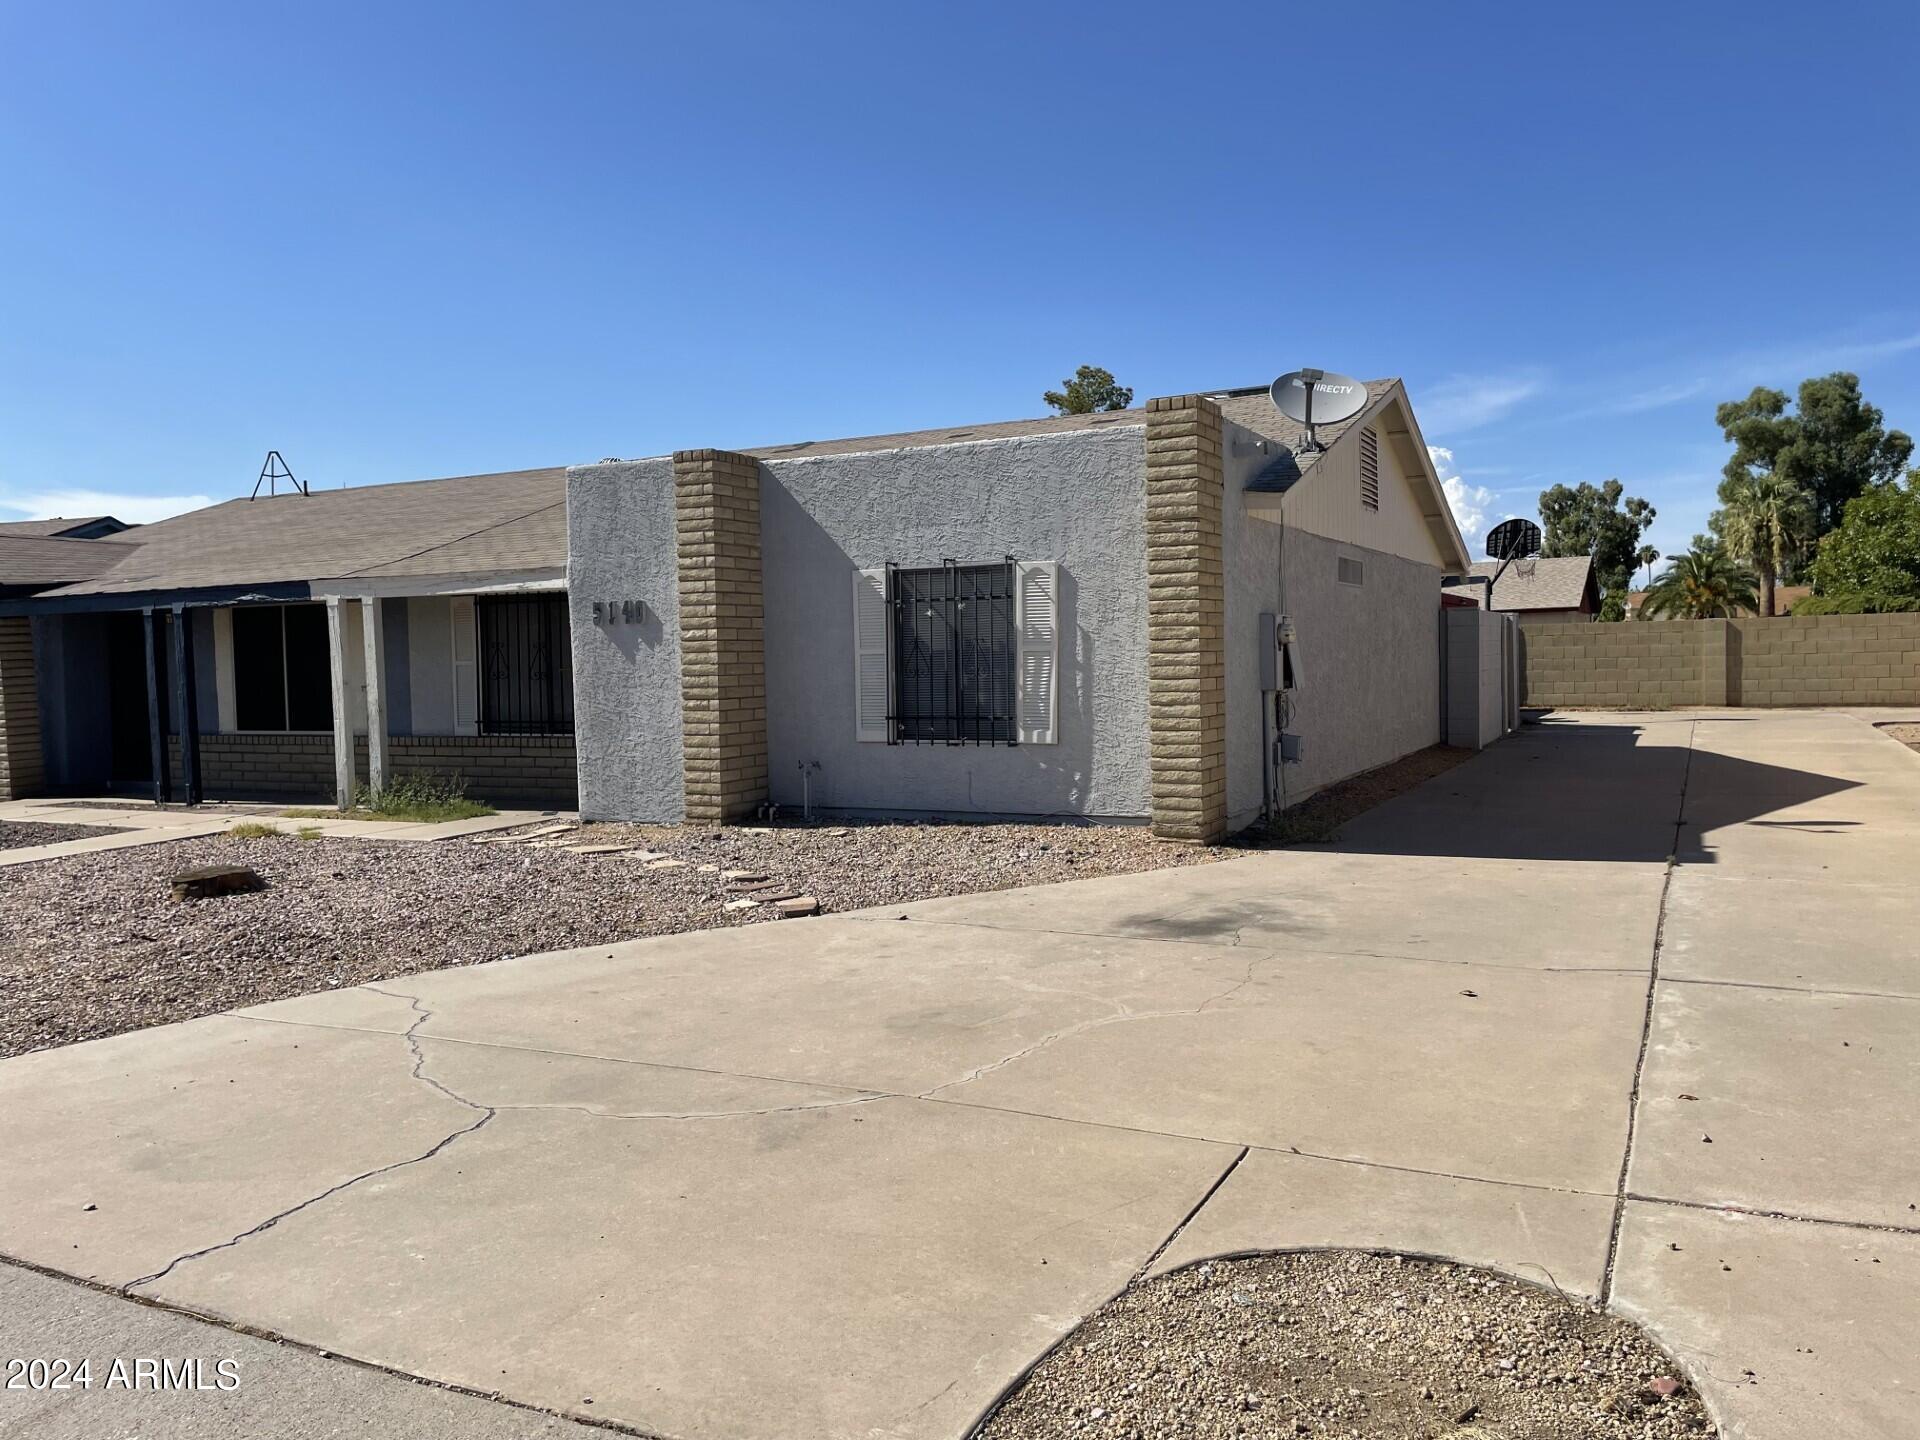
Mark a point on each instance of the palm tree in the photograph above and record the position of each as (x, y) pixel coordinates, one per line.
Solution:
(1767, 521)
(1700, 585)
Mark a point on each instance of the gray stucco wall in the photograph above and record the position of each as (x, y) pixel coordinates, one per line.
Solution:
(1078, 499)
(1370, 653)
(626, 676)
(1476, 677)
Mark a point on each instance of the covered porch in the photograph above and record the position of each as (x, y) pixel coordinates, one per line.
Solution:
(304, 693)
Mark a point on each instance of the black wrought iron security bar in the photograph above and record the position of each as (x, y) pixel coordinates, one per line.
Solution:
(955, 654)
(526, 665)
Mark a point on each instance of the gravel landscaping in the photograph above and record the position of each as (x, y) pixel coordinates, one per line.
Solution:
(18, 834)
(91, 945)
(1906, 732)
(1344, 1344)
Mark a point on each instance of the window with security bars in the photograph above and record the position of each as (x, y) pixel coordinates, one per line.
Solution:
(526, 665)
(954, 646)
(1370, 468)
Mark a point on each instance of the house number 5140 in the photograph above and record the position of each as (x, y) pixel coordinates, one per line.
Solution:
(619, 612)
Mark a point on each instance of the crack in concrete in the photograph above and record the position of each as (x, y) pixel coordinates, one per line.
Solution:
(487, 1113)
(1121, 1016)
(1646, 1028)
(273, 1220)
(412, 1038)
(1879, 1227)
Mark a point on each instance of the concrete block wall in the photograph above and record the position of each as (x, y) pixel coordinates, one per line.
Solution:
(1824, 660)
(535, 771)
(22, 767)
(1788, 661)
(1635, 664)
(1186, 619)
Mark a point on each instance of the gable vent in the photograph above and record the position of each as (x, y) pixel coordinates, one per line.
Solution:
(1369, 468)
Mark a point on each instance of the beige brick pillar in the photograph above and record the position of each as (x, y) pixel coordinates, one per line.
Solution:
(723, 683)
(22, 771)
(1186, 620)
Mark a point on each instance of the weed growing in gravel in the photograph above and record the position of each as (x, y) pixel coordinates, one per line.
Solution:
(307, 832)
(410, 797)
(253, 830)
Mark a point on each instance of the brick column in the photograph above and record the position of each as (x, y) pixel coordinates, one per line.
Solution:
(1186, 620)
(22, 771)
(723, 683)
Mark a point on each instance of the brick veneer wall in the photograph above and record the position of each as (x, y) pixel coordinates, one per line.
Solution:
(22, 765)
(512, 770)
(1793, 660)
(1186, 620)
(723, 679)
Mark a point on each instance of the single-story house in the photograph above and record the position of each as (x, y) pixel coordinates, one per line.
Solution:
(431, 616)
(1543, 590)
(1070, 616)
(1188, 613)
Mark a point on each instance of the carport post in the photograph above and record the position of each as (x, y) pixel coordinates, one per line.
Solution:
(156, 707)
(186, 705)
(371, 621)
(342, 718)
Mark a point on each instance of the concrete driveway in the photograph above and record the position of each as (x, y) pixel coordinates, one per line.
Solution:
(1625, 1005)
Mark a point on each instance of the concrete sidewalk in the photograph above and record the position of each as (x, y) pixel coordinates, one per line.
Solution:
(847, 1177)
(142, 823)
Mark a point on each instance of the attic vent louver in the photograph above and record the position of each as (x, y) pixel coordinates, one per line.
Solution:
(1369, 468)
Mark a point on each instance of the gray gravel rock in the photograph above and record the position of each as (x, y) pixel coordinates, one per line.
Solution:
(1344, 1344)
(18, 834)
(90, 945)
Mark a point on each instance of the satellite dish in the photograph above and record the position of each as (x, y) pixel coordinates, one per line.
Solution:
(1513, 540)
(1317, 397)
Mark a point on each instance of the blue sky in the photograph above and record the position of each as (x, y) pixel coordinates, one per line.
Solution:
(422, 239)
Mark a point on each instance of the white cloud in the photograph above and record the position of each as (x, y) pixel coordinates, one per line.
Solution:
(1723, 378)
(134, 509)
(1462, 402)
(1470, 502)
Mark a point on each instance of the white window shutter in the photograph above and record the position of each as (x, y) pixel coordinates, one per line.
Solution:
(1038, 622)
(466, 666)
(872, 690)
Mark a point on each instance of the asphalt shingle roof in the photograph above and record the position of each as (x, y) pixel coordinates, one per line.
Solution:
(512, 521)
(1555, 583)
(59, 525)
(45, 560)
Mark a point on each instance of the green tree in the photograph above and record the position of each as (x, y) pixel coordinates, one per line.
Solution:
(1700, 585)
(1604, 522)
(1835, 445)
(1090, 389)
(1767, 521)
(1872, 562)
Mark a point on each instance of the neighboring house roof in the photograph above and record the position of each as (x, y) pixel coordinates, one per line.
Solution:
(515, 521)
(81, 527)
(1785, 597)
(39, 562)
(1559, 583)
